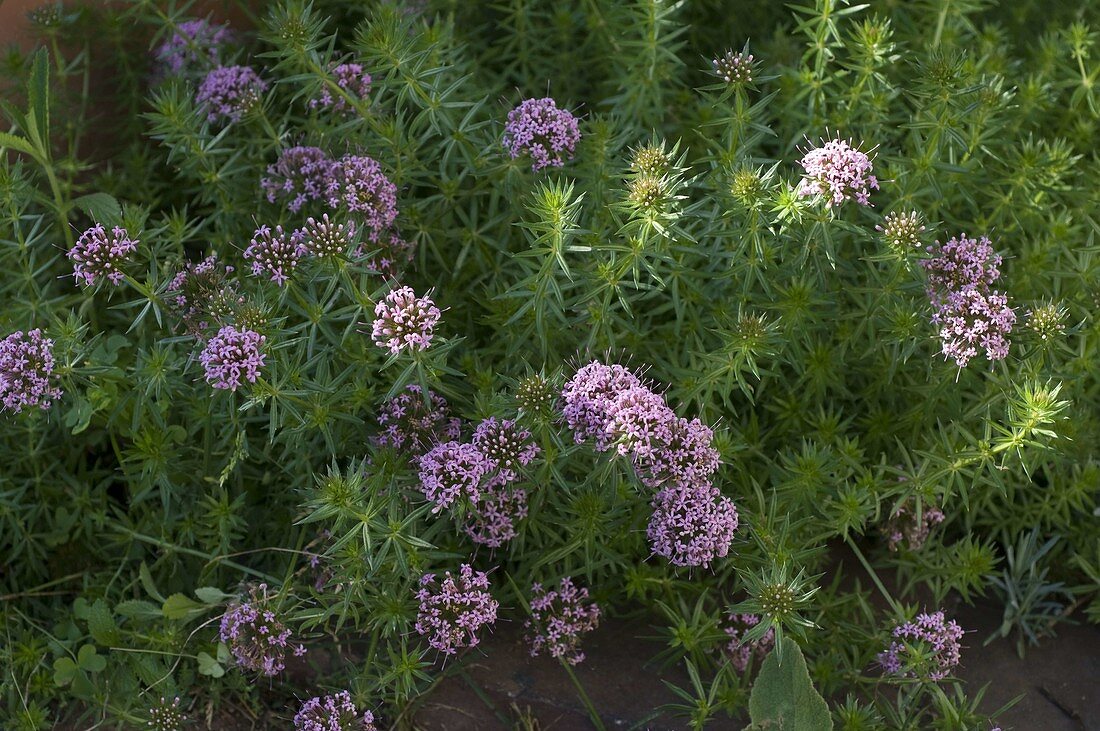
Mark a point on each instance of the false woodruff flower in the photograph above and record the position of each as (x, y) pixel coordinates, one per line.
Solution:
(838, 172)
(492, 520)
(558, 619)
(232, 357)
(927, 648)
(901, 231)
(652, 159)
(411, 425)
(275, 253)
(387, 254)
(734, 67)
(959, 264)
(454, 609)
(26, 372)
(100, 255)
(692, 524)
(203, 294)
(195, 45)
(535, 396)
(352, 79)
(453, 471)
(333, 713)
(970, 319)
(688, 455)
(230, 92)
(638, 420)
(1047, 320)
(740, 651)
(257, 638)
(587, 399)
(538, 128)
(166, 715)
(506, 445)
(908, 527)
(359, 185)
(301, 174)
(403, 321)
(325, 238)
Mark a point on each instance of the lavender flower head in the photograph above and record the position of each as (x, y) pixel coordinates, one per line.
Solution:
(907, 527)
(166, 715)
(203, 294)
(734, 68)
(256, 637)
(838, 172)
(98, 255)
(333, 713)
(26, 372)
(692, 524)
(587, 399)
(558, 619)
(492, 520)
(301, 174)
(902, 231)
(506, 445)
(961, 263)
(403, 321)
(411, 425)
(740, 652)
(453, 471)
(325, 238)
(927, 648)
(360, 185)
(538, 128)
(230, 92)
(232, 357)
(352, 79)
(453, 610)
(194, 46)
(275, 253)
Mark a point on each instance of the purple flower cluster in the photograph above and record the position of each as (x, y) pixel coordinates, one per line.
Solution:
(275, 253)
(927, 648)
(492, 520)
(232, 357)
(506, 445)
(740, 652)
(588, 396)
(361, 186)
(403, 321)
(411, 425)
(166, 715)
(734, 67)
(558, 619)
(97, 254)
(333, 713)
(453, 610)
(194, 46)
(26, 372)
(453, 471)
(838, 172)
(538, 128)
(692, 524)
(352, 79)
(300, 174)
(230, 92)
(970, 314)
(325, 238)
(256, 637)
(203, 294)
(906, 526)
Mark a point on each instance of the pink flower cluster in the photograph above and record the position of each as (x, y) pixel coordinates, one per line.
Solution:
(500, 507)
(203, 294)
(692, 524)
(838, 172)
(26, 372)
(740, 652)
(230, 92)
(539, 129)
(360, 185)
(734, 67)
(195, 45)
(453, 610)
(99, 255)
(927, 648)
(453, 471)
(906, 526)
(275, 253)
(232, 357)
(970, 314)
(166, 715)
(352, 79)
(558, 619)
(301, 174)
(256, 637)
(403, 321)
(333, 713)
(327, 238)
(411, 424)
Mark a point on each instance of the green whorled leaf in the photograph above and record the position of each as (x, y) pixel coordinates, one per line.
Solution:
(210, 666)
(179, 606)
(783, 697)
(102, 625)
(101, 208)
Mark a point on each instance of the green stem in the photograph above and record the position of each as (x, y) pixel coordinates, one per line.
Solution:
(874, 576)
(592, 713)
(199, 554)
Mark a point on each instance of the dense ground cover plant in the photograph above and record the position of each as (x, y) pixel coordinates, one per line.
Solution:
(336, 338)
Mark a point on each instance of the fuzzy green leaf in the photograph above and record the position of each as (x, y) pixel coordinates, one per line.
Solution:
(783, 697)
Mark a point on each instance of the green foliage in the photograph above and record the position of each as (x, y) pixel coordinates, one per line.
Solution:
(783, 696)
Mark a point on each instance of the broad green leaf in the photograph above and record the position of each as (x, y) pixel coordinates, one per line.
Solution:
(88, 660)
(179, 606)
(210, 666)
(18, 144)
(135, 608)
(101, 208)
(102, 625)
(783, 697)
(211, 595)
(147, 582)
(63, 670)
